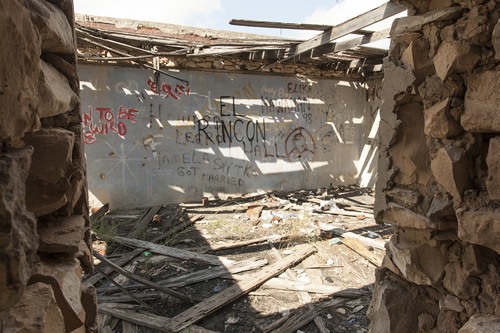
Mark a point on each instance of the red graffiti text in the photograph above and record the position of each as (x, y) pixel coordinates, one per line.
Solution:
(104, 121)
(166, 90)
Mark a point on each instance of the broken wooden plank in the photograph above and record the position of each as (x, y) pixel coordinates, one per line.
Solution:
(284, 284)
(142, 280)
(415, 22)
(127, 298)
(343, 212)
(298, 320)
(375, 15)
(375, 243)
(99, 213)
(159, 323)
(241, 288)
(203, 275)
(141, 225)
(233, 245)
(129, 327)
(171, 251)
(358, 247)
(130, 296)
(126, 257)
(304, 296)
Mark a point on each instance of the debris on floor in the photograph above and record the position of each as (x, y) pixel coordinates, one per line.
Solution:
(274, 262)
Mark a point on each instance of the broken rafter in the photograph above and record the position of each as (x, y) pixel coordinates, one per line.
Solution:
(279, 25)
(373, 16)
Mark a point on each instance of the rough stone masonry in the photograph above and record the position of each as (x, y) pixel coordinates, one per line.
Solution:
(439, 179)
(44, 226)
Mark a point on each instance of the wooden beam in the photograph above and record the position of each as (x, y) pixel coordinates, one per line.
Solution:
(346, 45)
(375, 15)
(414, 23)
(279, 25)
(229, 295)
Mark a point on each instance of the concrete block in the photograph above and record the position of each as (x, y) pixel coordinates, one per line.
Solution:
(455, 57)
(493, 162)
(481, 227)
(56, 95)
(481, 103)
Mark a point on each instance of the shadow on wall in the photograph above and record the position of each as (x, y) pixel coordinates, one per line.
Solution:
(155, 141)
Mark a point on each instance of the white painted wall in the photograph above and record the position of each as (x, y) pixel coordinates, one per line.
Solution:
(151, 142)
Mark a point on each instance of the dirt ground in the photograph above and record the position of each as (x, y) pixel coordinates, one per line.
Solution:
(333, 284)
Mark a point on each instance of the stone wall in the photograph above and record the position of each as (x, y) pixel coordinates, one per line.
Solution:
(439, 176)
(44, 225)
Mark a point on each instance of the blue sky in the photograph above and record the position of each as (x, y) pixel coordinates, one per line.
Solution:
(216, 14)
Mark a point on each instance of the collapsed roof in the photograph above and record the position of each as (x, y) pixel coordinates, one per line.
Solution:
(117, 40)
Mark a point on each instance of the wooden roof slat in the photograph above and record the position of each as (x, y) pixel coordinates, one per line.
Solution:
(373, 16)
(279, 25)
(348, 44)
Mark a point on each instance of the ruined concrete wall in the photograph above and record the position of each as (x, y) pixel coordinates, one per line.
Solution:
(44, 226)
(222, 134)
(439, 174)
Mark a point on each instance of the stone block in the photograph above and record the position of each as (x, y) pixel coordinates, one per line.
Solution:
(56, 95)
(396, 307)
(18, 238)
(473, 262)
(61, 235)
(451, 170)
(455, 57)
(450, 303)
(85, 256)
(409, 156)
(493, 162)
(495, 39)
(423, 265)
(481, 227)
(20, 67)
(481, 103)
(481, 324)
(36, 312)
(416, 57)
(51, 169)
(403, 217)
(89, 303)
(54, 28)
(441, 208)
(406, 197)
(459, 284)
(65, 279)
(439, 123)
